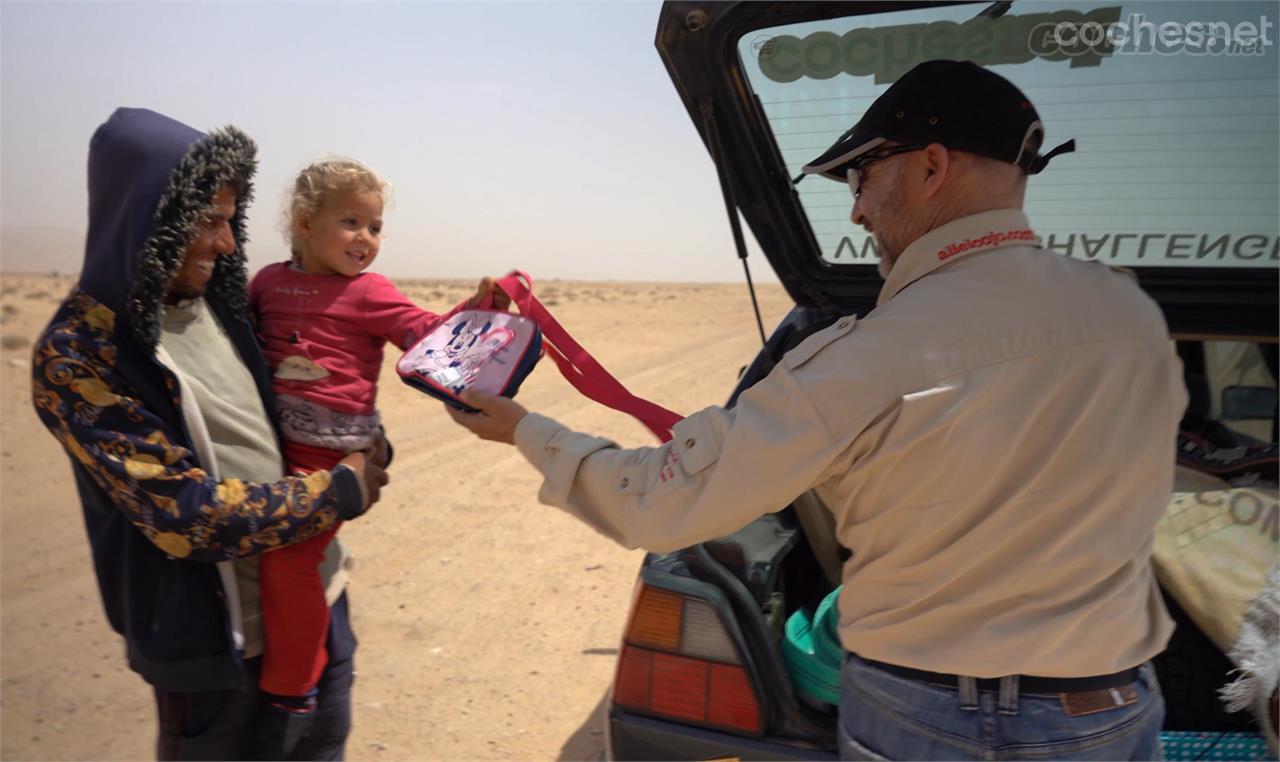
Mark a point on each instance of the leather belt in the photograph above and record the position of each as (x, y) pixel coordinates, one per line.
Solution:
(1026, 683)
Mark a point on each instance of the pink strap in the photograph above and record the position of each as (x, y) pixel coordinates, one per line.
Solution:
(577, 365)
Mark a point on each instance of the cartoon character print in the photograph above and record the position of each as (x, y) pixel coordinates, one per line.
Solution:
(299, 368)
(458, 363)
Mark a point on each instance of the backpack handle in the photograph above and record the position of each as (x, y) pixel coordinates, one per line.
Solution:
(576, 364)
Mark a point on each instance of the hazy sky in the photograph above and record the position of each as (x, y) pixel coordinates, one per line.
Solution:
(544, 136)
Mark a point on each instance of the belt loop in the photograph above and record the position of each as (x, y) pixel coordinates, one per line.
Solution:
(968, 693)
(1009, 695)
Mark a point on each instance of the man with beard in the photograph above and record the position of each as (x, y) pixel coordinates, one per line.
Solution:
(151, 379)
(976, 436)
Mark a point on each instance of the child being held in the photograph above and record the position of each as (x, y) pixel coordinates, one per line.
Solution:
(322, 320)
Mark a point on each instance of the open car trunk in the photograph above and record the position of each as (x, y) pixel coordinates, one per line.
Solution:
(1176, 177)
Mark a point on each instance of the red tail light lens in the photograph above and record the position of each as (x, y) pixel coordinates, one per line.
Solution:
(733, 702)
(679, 687)
(632, 685)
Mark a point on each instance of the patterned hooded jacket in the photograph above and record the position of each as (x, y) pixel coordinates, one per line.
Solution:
(157, 518)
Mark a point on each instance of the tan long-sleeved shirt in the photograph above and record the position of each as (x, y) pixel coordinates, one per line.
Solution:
(995, 441)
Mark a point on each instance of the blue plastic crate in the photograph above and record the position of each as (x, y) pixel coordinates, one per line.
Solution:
(1191, 745)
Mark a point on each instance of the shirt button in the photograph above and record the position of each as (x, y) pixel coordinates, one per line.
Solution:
(689, 442)
(623, 484)
(843, 324)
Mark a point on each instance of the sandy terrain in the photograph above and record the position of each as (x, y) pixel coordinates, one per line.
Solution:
(488, 623)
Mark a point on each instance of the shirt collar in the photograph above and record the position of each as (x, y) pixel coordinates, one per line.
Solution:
(956, 239)
(174, 317)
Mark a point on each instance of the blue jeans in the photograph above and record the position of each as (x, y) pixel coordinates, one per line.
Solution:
(884, 716)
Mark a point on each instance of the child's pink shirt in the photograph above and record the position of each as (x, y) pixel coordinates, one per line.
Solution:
(323, 334)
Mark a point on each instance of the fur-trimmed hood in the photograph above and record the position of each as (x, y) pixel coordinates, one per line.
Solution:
(151, 180)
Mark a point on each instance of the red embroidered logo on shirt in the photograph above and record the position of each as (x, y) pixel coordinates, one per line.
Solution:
(668, 469)
(990, 239)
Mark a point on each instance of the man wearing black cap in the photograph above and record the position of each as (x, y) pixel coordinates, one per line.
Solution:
(961, 112)
(977, 437)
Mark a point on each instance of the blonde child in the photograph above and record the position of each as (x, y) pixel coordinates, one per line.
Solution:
(322, 320)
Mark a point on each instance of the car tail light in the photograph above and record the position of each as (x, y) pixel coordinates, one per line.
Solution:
(678, 660)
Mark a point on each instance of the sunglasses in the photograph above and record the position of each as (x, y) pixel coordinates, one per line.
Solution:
(857, 172)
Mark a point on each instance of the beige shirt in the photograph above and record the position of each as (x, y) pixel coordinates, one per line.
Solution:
(995, 441)
(243, 442)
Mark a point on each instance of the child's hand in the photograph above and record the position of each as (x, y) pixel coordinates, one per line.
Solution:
(486, 288)
(380, 451)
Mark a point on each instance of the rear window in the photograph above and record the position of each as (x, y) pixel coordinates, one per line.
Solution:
(1174, 108)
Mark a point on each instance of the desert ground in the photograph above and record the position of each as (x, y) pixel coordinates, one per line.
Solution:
(488, 623)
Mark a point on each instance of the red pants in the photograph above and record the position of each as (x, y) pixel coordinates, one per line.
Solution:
(295, 616)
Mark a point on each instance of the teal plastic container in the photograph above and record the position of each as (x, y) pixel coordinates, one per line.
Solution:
(811, 649)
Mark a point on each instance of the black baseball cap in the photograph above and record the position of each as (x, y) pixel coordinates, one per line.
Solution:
(956, 103)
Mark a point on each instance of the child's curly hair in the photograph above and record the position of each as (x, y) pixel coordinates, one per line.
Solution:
(317, 181)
